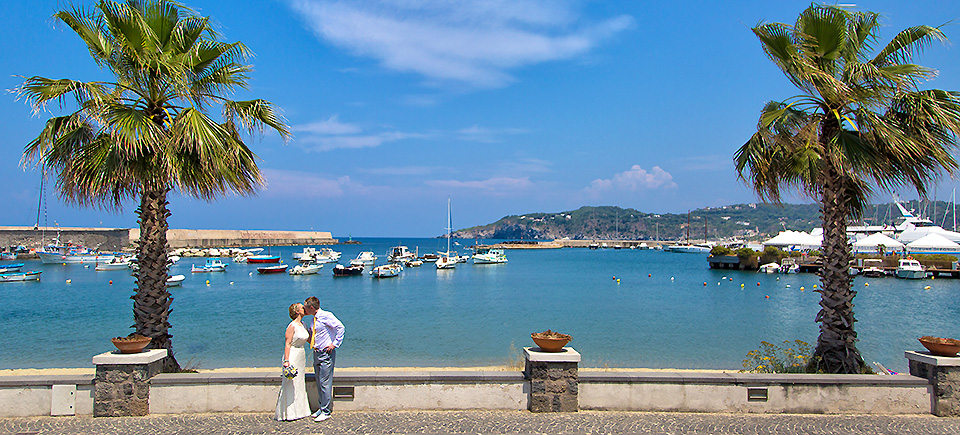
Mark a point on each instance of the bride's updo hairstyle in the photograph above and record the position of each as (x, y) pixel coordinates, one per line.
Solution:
(294, 312)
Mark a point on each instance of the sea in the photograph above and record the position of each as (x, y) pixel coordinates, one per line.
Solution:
(624, 308)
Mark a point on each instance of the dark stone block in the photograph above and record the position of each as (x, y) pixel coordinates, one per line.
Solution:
(537, 386)
(556, 386)
(573, 386)
(541, 403)
(568, 403)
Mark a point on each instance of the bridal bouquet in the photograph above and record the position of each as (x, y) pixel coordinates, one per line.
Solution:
(289, 372)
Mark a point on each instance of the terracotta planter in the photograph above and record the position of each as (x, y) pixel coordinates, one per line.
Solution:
(941, 346)
(132, 344)
(550, 341)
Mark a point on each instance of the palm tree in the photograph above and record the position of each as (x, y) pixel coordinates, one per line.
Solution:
(861, 122)
(148, 132)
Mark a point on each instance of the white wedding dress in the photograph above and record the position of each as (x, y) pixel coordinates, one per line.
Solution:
(292, 403)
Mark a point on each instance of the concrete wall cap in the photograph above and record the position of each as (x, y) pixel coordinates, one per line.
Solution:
(45, 380)
(342, 376)
(117, 358)
(929, 358)
(534, 354)
(748, 378)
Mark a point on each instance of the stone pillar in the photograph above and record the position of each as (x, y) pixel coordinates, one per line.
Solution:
(943, 372)
(121, 387)
(554, 380)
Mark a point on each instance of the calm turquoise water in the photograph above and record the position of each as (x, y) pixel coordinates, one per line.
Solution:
(473, 315)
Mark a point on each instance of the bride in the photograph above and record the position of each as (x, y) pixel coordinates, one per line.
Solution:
(292, 403)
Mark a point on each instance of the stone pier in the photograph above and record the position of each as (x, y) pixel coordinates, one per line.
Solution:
(943, 372)
(121, 385)
(554, 379)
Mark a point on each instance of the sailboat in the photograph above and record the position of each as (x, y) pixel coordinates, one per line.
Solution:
(446, 261)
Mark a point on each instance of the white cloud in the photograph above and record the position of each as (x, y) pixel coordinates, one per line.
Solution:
(486, 135)
(633, 179)
(495, 185)
(304, 184)
(331, 134)
(475, 43)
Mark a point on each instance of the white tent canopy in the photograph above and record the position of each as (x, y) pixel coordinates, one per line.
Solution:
(932, 243)
(872, 242)
(794, 238)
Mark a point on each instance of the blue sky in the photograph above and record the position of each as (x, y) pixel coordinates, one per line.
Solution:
(506, 107)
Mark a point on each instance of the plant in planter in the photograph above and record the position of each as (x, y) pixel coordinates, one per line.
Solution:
(550, 341)
(941, 346)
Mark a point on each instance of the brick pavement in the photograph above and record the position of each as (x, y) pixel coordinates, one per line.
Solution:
(489, 422)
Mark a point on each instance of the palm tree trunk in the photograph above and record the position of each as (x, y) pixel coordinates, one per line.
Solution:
(151, 303)
(836, 350)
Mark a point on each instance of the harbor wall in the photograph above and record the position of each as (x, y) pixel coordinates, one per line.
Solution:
(117, 239)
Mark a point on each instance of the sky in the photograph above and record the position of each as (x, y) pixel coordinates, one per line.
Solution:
(505, 107)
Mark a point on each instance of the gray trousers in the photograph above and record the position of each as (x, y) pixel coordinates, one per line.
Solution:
(323, 368)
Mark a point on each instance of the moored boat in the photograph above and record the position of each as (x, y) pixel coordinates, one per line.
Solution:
(386, 270)
(279, 268)
(909, 268)
(401, 254)
(306, 267)
(212, 265)
(7, 268)
(688, 249)
(488, 255)
(873, 268)
(262, 259)
(341, 270)
(33, 275)
(365, 259)
(429, 258)
(8, 256)
(769, 268)
(175, 281)
(115, 263)
(70, 254)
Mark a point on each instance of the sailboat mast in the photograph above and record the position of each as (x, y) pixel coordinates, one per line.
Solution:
(449, 226)
(688, 227)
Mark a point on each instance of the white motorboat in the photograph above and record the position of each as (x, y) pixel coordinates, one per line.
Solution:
(770, 268)
(365, 259)
(790, 268)
(306, 267)
(307, 254)
(326, 255)
(401, 254)
(386, 270)
(115, 263)
(175, 281)
(446, 262)
(212, 265)
(488, 255)
(20, 276)
(909, 268)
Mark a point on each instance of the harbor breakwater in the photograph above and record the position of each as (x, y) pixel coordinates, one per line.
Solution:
(116, 239)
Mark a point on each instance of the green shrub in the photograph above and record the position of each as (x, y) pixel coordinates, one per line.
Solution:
(815, 253)
(792, 357)
(745, 253)
(720, 251)
(772, 254)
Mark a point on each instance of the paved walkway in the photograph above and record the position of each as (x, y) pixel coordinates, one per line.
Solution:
(489, 422)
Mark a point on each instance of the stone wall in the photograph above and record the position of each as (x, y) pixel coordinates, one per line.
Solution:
(105, 239)
(122, 390)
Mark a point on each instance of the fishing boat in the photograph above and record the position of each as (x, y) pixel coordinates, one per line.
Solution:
(7, 268)
(908, 268)
(70, 254)
(341, 270)
(279, 268)
(365, 259)
(306, 267)
(488, 255)
(175, 281)
(212, 265)
(401, 254)
(33, 275)
(5, 256)
(115, 263)
(262, 259)
(386, 270)
(429, 258)
(447, 260)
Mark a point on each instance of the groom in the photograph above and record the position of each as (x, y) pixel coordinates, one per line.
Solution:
(326, 336)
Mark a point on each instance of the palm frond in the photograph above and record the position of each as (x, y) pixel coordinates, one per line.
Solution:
(907, 43)
(254, 115)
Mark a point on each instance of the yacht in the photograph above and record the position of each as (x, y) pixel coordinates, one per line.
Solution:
(401, 254)
(700, 248)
